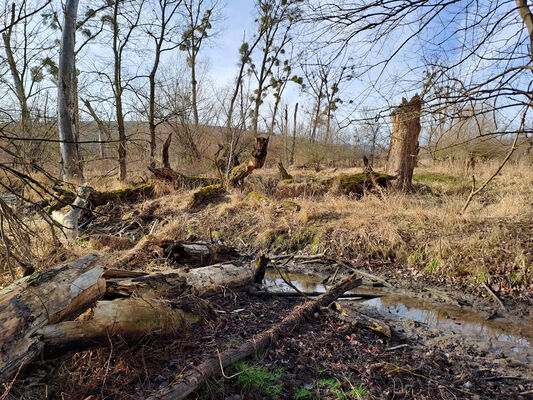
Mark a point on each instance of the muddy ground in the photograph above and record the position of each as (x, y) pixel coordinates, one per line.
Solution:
(324, 358)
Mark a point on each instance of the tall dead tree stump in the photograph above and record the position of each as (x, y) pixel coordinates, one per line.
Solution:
(404, 141)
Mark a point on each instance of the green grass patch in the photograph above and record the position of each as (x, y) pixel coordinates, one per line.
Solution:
(260, 379)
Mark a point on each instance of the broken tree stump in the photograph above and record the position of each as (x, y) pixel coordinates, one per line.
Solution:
(190, 380)
(129, 319)
(284, 175)
(256, 161)
(50, 296)
(401, 159)
(205, 195)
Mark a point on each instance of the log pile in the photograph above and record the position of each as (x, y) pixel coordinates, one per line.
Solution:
(40, 314)
(82, 305)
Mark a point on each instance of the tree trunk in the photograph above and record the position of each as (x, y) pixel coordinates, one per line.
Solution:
(50, 296)
(256, 161)
(103, 132)
(65, 104)
(117, 83)
(190, 380)
(129, 319)
(293, 146)
(404, 142)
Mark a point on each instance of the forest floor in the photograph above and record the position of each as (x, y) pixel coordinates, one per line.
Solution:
(418, 242)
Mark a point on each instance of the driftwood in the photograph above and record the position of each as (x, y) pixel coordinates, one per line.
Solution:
(190, 380)
(46, 297)
(65, 196)
(129, 319)
(256, 161)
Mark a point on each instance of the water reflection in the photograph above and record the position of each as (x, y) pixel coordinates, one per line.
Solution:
(450, 318)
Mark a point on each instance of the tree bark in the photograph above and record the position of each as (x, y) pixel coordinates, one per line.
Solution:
(129, 319)
(103, 132)
(404, 142)
(256, 161)
(50, 296)
(65, 103)
(293, 145)
(190, 380)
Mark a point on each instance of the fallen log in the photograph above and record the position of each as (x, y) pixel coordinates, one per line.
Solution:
(65, 196)
(190, 380)
(127, 319)
(45, 297)
(204, 281)
(181, 181)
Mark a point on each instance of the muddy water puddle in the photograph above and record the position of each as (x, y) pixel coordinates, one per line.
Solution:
(448, 319)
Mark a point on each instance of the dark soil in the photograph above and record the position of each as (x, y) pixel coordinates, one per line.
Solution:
(324, 358)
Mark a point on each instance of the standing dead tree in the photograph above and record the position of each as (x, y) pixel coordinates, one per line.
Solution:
(404, 141)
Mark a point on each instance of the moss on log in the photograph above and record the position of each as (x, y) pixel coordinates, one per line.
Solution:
(180, 181)
(205, 195)
(66, 196)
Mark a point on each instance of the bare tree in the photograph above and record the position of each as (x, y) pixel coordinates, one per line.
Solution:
(275, 19)
(162, 31)
(199, 16)
(66, 122)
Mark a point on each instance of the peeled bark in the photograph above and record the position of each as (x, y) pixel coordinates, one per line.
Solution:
(204, 281)
(129, 319)
(50, 296)
(190, 380)
(65, 102)
(404, 142)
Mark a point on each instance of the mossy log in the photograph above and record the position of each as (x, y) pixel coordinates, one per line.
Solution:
(189, 381)
(45, 297)
(197, 254)
(66, 196)
(181, 181)
(256, 161)
(205, 195)
(358, 183)
(129, 319)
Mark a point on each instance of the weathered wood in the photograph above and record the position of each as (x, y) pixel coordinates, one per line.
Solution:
(199, 254)
(202, 281)
(129, 319)
(45, 297)
(404, 141)
(284, 175)
(66, 195)
(190, 380)
(164, 155)
(256, 161)
(180, 181)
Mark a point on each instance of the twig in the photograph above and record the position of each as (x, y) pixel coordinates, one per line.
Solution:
(290, 283)
(489, 290)
(401, 346)
(475, 191)
(436, 382)
(8, 389)
(367, 275)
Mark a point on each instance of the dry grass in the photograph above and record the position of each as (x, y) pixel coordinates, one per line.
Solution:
(423, 230)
